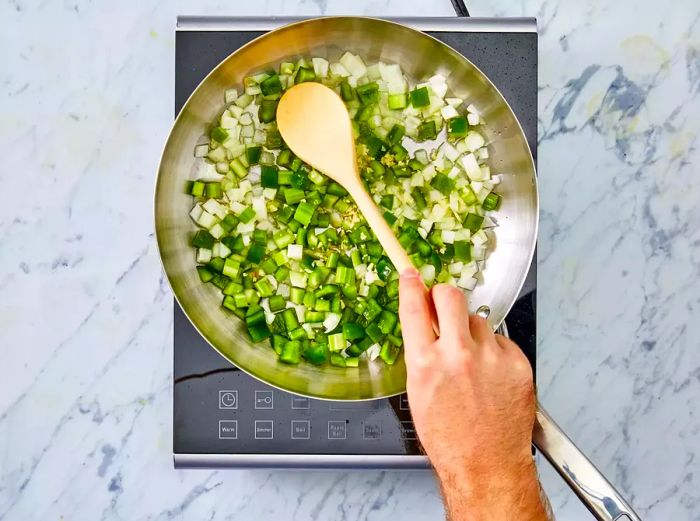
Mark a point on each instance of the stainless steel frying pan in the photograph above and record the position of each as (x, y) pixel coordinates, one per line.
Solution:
(420, 56)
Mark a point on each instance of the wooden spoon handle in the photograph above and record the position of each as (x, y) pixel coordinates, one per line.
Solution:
(380, 227)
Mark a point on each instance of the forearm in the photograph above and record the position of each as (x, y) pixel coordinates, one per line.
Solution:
(494, 495)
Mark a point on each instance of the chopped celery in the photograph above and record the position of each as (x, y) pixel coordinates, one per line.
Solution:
(398, 101)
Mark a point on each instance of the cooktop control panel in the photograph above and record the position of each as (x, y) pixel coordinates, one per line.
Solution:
(224, 410)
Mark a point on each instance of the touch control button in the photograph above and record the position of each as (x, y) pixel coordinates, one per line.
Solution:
(264, 429)
(301, 429)
(228, 399)
(300, 402)
(337, 430)
(372, 431)
(264, 400)
(408, 431)
(403, 402)
(228, 429)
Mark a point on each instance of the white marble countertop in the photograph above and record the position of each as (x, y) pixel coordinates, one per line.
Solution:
(86, 101)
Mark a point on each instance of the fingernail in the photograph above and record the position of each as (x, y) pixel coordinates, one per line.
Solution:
(410, 273)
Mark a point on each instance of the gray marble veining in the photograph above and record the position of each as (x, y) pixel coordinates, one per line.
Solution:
(86, 98)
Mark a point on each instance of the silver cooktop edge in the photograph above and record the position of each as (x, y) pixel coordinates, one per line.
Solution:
(438, 24)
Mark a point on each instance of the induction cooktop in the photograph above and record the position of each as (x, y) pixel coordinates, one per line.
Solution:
(225, 418)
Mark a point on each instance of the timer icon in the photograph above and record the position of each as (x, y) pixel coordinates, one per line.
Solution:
(228, 399)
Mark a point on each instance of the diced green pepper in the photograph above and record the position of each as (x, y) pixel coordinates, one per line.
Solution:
(203, 239)
(337, 360)
(259, 332)
(372, 311)
(271, 85)
(304, 74)
(396, 134)
(291, 352)
(491, 202)
(442, 184)
(368, 93)
(420, 97)
(463, 251)
(372, 330)
(247, 215)
(346, 91)
(255, 253)
(316, 354)
(457, 127)
(252, 154)
(427, 130)
(269, 176)
(229, 222)
(267, 111)
(387, 321)
(353, 331)
(473, 222)
(389, 353)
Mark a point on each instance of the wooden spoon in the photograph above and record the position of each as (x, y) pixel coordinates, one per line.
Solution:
(316, 126)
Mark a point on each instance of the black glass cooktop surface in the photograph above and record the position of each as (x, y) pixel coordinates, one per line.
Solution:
(224, 417)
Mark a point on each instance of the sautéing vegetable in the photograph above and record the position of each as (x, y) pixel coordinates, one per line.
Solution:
(287, 246)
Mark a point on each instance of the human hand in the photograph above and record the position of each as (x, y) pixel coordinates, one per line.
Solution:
(473, 405)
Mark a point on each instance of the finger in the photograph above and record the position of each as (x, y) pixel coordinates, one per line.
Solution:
(414, 313)
(480, 330)
(452, 311)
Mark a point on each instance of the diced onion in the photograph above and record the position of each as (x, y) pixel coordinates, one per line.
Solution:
(320, 67)
(373, 351)
(295, 251)
(449, 112)
(297, 279)
(196, 212)
(354, 64)
(337, 69)
(470, 165)
(427, 271)
(331, 322)
(204, 255)
(230, 95)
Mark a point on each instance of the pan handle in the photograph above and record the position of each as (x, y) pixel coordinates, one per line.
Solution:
(460, 8)
(586, 481)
